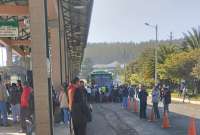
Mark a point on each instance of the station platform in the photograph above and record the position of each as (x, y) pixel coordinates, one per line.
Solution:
(111, 119)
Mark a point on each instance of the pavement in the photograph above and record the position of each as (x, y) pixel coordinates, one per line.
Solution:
(111, 119)
(186, 100)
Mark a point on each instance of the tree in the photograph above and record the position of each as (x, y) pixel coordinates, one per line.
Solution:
(179, 65)
(196, 74)
(192, 39)
(87, 67)
(196, 70)
(164, 51)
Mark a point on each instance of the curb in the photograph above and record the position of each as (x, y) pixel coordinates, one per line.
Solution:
(186, 101)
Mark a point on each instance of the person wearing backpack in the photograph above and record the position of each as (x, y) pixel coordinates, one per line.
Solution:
(14, 100)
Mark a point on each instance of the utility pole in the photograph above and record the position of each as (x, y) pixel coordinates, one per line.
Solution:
(171, 38)
(156, 55)
(156, 50)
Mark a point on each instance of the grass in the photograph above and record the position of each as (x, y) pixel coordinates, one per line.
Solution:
(193, 97)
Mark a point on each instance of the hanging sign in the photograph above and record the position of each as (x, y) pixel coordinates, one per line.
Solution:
(9, 28)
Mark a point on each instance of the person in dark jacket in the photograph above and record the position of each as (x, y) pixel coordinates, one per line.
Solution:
(14, 99)
(76, 106)
(125, 94)
(166, 98)
(84, 91)
(142, 95)
(131, 93)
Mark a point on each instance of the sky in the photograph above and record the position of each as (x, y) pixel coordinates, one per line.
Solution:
(123, 20)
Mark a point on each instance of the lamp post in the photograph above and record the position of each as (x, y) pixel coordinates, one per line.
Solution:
(156, 51)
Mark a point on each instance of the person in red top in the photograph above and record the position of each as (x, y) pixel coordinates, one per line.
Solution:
(71, 91)
(25, 105)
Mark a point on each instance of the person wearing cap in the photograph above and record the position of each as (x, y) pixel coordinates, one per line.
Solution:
(24, 104)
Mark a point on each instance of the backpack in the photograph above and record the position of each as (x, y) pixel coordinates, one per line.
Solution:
(81, 112)
(31, 102)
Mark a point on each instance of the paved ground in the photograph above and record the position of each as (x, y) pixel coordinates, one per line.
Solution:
(111, 119)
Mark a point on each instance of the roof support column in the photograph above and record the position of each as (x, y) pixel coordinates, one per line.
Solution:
(66, 61)
(9, 56)
(55, 58)
(62, 44)
(63, 57)
(40, 54)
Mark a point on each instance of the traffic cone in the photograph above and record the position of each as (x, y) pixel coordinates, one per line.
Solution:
(192, 127)
(165, 123)
(135, 106)
(151, 116)
(129, 103)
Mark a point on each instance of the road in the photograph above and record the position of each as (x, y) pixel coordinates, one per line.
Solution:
(111, 119)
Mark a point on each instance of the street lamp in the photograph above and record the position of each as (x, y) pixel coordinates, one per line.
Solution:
(156, 52)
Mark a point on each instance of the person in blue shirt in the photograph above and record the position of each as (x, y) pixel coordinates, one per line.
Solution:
(155, 101)
(125, 94)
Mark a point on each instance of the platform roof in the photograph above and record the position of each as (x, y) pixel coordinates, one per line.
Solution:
(75, 15)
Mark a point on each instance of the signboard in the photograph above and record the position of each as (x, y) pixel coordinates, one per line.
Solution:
(9, 28)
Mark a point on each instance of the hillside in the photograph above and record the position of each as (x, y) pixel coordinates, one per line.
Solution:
(105, 53)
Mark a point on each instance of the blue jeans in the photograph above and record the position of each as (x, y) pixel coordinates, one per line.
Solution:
(125, 102)
(3, 113)
(65, 115)
(15, 112)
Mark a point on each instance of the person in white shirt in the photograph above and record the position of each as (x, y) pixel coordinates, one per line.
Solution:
(89, 92)
(64, 105)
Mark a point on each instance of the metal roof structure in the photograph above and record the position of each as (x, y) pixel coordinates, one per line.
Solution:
(75, 16)
(54, 34)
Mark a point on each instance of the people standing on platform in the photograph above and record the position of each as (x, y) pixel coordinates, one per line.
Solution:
(84, 91)
(64, 105)
(89, 93)
(142, 95)
(166, 98)
(3, 108)
(125, 94)
(19, 86)
(155, 101)
(14, 100)
(25, 112)
(93, 93)
(185, 93)
(76, 101)
(131, 93)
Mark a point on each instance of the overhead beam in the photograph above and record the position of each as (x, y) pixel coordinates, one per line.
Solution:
(20, 51)
(20, 42)
(17, 10)
(11, 42)
(13, 10)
